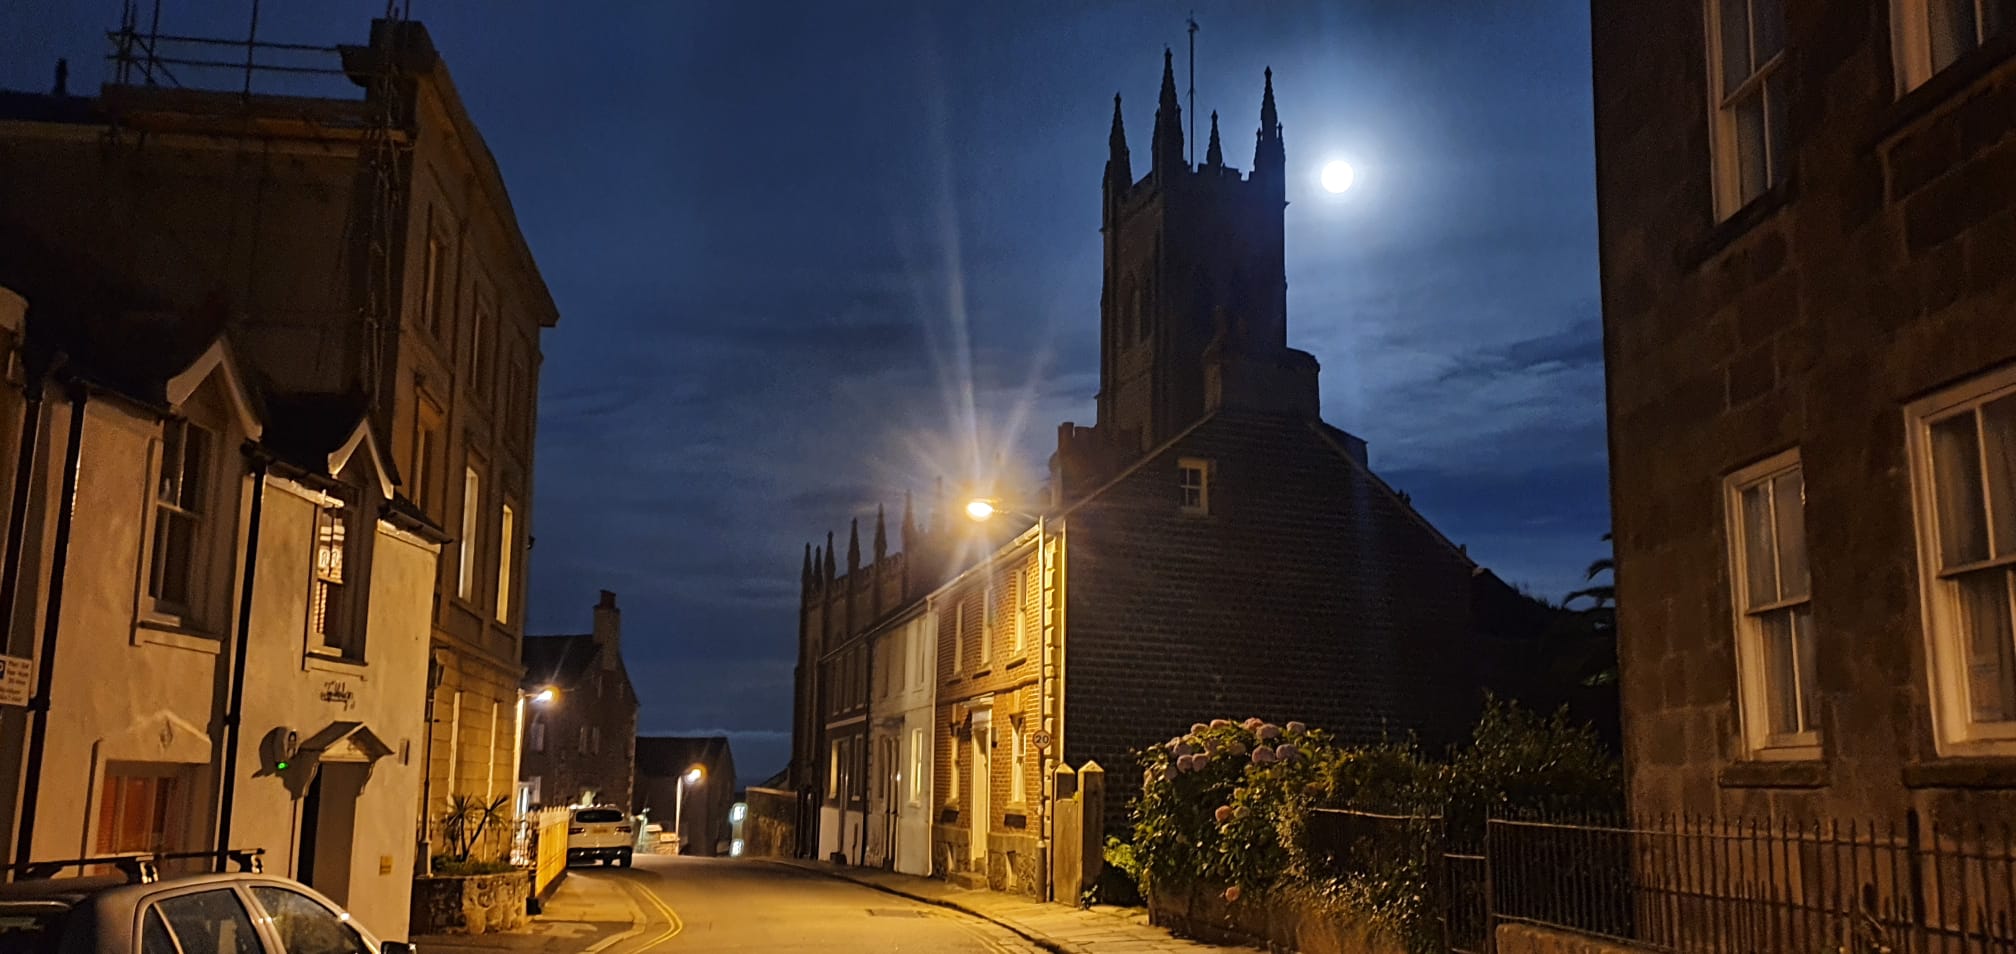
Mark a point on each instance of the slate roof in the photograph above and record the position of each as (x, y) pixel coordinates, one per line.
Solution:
(665, 756)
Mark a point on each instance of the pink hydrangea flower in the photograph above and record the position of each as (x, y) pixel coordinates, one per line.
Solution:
(1232, 893)
(1268, 731)
(1237, 749)
(1297, 728)
(1169, 774)
(1196, 727)
(1220, 723)
(1223, 814)
(1183, 763)
(1263, 755)
(1253, 724)
(1287, 751)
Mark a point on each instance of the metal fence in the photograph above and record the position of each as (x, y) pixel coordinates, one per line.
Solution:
(1718, 885)
(1694, 885)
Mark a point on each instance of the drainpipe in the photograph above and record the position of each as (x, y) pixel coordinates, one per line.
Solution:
(867, 742)
(38, 705)
(17, 510)
(234, 705)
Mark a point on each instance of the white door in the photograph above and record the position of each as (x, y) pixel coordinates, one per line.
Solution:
(983, 754)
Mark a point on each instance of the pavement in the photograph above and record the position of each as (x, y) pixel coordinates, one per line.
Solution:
(1057, 928)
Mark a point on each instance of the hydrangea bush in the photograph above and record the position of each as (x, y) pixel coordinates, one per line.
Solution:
(1227, 806)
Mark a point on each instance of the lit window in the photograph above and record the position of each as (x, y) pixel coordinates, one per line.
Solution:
(1747, 91)
(1963, 449)
(179, 512)
(328, 613)
(139, 809)
(1194, 476)
(918, 766)
(507, 544)
(472, 502)
(1929, 35)
(1018, 766)
(833, 772)
(1775, 648)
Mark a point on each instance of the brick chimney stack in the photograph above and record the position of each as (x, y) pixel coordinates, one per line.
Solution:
(609, 630)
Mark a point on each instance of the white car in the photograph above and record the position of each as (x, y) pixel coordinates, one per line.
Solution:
(135, 912)
(601, 833)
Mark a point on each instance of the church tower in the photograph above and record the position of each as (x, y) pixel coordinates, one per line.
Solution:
(1194, 306)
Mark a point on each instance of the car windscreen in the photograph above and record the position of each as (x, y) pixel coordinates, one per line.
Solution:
(32, 928)
(598, 816)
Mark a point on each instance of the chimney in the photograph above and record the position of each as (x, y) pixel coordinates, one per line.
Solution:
(609, 630)
(62, 77)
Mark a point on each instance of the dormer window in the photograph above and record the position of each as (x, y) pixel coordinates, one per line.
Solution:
(335, 606)
(1194, 478)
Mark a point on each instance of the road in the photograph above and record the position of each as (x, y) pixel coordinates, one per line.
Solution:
(714, 904)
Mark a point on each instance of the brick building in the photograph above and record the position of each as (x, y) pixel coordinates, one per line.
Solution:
(1808, 231)
(580, 745)
(1211, 548)
(361, 245)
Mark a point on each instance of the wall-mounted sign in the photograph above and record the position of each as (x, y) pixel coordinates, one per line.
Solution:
(14, 680)
(338, 692)
(1040, 739)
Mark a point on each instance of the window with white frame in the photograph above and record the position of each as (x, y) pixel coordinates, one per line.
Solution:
(1775, 644)
(329, 623)
(1746, 86)
(833, 771)
(918, 766)
(1927, 36)
(1194, 477)
(958, 634)
(472, 503)
(181, 507)
(1963, 448)
(507, 545)
(1019, 602)
(1018, 766)
(989, 621)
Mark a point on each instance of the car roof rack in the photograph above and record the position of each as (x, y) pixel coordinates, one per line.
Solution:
(143, 867)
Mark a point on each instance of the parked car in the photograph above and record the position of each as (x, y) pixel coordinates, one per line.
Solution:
(601, 833)
(138, 912)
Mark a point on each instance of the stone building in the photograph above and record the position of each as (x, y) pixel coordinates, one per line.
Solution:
(580, 744)
(1211, 548)
(359, 244)
(1808, 235)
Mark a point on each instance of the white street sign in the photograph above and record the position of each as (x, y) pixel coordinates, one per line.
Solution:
(14, 680)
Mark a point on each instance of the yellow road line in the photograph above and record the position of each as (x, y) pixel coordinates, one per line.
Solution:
(674, 924)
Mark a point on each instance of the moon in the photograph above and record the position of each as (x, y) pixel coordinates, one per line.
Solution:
(1338, 176)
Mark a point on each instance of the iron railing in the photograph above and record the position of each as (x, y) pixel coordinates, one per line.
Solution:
(1710, 886)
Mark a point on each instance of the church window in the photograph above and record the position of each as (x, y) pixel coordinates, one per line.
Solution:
(1195, 479)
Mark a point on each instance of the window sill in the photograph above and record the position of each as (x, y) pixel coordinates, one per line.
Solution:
(1974, 772)
(977, 673)
(1943, 86)
(1016, 662)
(323, 662)
(1738, 224)
(1775, 774)
(175, 636)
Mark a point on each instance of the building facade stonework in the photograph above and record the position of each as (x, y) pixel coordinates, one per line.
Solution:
(580, 744)
(1809, 277)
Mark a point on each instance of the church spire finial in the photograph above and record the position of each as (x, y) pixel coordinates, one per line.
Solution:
(1214, 156)
(1269, 155)
(805, 574)
(1119, 166)
(853, 546)
(881, 536)
(1168, 144)
(829, 558)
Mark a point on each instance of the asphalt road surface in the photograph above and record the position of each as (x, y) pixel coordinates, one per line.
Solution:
(714, 904)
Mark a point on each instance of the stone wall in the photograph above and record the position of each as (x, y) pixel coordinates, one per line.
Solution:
(1275, 922)
(770, 829)
(476, 904)
(1528, 939)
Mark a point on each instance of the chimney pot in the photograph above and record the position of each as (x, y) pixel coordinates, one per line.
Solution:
(608, 600)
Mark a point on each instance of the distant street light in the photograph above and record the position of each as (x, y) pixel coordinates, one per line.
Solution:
(544, 696)
(693, 776)
(980, 509)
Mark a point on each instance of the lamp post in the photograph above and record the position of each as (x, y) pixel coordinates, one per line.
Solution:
(538, 697)
(982, 509)
(693, 776)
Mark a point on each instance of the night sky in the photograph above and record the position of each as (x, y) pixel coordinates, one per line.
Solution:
(810, 255)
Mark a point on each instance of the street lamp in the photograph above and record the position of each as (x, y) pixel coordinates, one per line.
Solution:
(693, 776)
(544, 695)
(982, 509)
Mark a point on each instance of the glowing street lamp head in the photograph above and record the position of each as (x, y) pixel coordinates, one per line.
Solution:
(545, 695)
(694, 775)
(980, 509)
